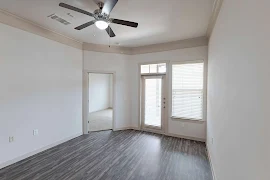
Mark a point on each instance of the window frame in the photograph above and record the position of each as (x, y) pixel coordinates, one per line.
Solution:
(170, 70)
(152, 74)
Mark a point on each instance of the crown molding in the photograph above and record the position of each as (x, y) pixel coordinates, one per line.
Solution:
(181, 44)
(29, 26)
(106, 48)
(215, 12)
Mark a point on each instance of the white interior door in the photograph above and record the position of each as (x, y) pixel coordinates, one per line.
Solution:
(153, 102)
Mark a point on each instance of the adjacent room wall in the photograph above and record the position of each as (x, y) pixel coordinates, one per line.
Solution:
(238, 91)
(99, 91)
(192, 129)
(41, 88)
(118, 64)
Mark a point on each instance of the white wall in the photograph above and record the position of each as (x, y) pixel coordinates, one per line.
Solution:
(111, 91)
(238, 91)
(99, 91)
(127, 85)
(117, 63)
(191, 128)
(41, 88)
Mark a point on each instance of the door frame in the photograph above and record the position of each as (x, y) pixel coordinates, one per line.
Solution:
(162, 103)
(86, 97)
(139, 81)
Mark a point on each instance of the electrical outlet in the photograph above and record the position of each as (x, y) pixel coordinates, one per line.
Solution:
(35, 132)
(11, 138)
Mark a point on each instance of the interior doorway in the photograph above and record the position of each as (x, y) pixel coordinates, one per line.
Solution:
(100, 101)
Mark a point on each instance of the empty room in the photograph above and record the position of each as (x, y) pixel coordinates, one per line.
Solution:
(134, 90)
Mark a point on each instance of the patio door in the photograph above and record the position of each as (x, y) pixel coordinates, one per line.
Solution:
(153, 102)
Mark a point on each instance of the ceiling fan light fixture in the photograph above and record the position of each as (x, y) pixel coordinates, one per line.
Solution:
(101, 16)
(101, 24)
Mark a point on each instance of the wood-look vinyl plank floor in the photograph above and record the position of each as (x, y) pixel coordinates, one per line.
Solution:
(120, 155)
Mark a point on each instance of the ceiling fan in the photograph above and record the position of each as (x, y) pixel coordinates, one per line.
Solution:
(102, 16)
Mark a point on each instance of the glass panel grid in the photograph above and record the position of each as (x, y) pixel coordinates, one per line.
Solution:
(153, 68)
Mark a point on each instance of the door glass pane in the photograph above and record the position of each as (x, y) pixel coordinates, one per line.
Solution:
(153, 68)
(153, 102)
(162, 68)
(144, 69)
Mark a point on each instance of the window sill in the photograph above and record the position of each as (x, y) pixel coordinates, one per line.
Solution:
(186, 119)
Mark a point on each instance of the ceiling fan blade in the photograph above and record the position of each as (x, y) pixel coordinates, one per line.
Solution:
(108, 6)
(75, 9)
(110, 31)
(85, 25)
(125, 23)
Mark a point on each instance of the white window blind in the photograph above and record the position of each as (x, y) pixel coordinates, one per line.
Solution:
(187, 91)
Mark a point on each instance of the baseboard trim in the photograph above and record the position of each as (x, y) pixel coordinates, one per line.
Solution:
(185, 137)
(136, 128)
(10, 162)
(172, 135)
(210, 161)
(122, 129)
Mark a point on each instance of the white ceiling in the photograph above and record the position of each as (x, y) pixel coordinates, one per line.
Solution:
(159, 20)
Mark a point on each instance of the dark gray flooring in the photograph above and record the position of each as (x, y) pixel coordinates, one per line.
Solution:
(121, 155)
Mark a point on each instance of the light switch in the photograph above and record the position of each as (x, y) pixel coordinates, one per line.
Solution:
(11, 138)
(35, 132)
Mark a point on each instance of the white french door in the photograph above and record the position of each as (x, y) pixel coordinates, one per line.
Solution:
(153, 102)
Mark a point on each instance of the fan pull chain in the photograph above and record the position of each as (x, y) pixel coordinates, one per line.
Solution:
(109, 37)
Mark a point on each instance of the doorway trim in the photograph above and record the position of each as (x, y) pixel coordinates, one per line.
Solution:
(162, 103)
(85, 100)
(140, 86)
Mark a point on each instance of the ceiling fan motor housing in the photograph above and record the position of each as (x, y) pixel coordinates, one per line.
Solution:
(98, 15)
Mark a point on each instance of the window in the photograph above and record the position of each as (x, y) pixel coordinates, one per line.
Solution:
(153, 68)
(187, 91)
